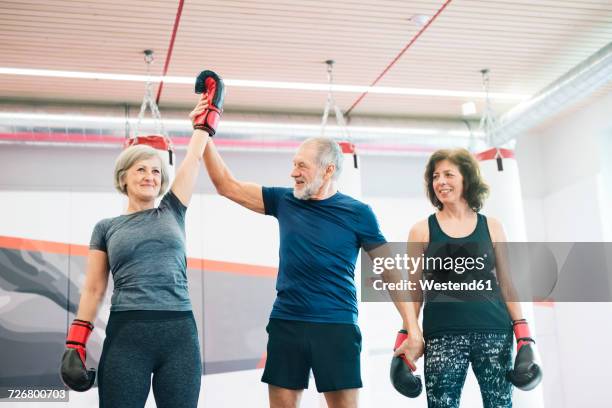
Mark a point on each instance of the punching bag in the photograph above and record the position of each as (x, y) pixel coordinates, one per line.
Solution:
(500, 171)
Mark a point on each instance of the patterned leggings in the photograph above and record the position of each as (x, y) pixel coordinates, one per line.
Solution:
(447, 358)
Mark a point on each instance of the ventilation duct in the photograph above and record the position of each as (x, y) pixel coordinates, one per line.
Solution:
(582, 80)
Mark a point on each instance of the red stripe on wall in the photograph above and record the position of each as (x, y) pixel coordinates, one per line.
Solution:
(238, 268)
(24, 244)
(43, 246)
(544, 302)
(262, 360)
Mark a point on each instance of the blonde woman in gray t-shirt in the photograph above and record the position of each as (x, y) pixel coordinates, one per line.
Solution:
(151, 329)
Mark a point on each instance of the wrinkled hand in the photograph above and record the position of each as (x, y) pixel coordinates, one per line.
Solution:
(412, 349)
(199, 108)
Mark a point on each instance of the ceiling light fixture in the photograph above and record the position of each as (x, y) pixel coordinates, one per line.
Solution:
(227, 125)
(305, 86)
(468, 109)
(419, 20)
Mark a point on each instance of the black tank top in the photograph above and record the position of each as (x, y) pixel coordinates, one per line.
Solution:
(481, 309)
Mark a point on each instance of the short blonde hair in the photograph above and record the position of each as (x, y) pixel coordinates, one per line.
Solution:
(133, 154)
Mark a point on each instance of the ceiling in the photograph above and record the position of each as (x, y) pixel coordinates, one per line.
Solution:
(525, 44)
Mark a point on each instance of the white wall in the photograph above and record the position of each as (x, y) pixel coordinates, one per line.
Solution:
(58, 193)
(566, 174)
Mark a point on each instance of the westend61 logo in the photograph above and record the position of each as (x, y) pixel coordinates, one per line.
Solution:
(429, 285)
(411, 264)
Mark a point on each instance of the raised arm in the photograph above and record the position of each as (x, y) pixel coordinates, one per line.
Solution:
(187, 173)
(248, 195)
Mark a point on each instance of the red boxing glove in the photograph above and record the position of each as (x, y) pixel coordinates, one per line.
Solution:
(77, 337)
(402, 335)
(73, 370)
(526, 373)
(210, 83)
(401, 373)
(521, 333)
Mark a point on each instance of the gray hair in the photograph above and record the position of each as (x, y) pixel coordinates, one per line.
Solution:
(328, 152)
(133, 154)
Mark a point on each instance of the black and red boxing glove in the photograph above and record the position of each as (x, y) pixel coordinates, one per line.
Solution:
(402, 377)
(73, 371)
(211, 84)
(526, 374)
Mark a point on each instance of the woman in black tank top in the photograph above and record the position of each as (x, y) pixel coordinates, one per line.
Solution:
(466, 318)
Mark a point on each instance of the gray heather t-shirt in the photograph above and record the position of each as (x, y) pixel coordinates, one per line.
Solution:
(147, 257)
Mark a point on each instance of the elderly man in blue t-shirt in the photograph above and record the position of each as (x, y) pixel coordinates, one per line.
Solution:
(313, 324)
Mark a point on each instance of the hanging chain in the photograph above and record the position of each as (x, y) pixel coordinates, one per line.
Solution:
(330, 97)
(488, 123)
(331, 103)
(149, 101)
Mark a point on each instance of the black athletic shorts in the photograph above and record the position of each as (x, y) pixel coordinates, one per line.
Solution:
(331, 350)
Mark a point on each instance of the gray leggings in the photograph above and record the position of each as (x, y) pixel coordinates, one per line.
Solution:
(139, 344)
(447, 358)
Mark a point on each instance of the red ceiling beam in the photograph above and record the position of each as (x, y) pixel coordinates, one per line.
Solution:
(412, 41)
(272, 145)
(177, 20)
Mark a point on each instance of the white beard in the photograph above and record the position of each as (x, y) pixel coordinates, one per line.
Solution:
(310, 189)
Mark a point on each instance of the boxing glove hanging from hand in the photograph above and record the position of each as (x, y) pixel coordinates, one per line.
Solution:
(402, 378)
(526, 374)
(211, 84)
(73, 371)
